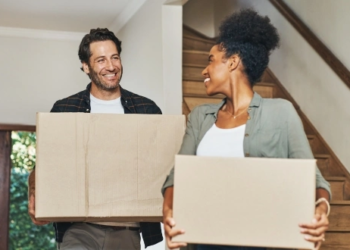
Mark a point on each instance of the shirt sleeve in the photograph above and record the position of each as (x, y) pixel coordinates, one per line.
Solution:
(299, 147)
(55, 108)
(188, 146)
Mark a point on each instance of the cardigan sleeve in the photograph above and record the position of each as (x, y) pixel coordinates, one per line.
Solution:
(188, 146)
(299, 147)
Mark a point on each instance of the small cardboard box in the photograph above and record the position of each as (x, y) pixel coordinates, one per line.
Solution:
(255, 202)
(104, 167)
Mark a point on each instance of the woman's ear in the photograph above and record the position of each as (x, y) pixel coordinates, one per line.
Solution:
(233, 62)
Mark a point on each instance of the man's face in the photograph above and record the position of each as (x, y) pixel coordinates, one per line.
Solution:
(105, 67)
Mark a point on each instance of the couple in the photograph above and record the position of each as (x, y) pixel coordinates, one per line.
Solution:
(236, 63)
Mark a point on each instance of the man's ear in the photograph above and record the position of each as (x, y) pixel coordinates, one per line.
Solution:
(233, 62)
(86, 68)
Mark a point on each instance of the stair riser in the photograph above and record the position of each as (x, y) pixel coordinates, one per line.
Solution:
(324, 164)
(189, 43)
(195, 58)
(339, 218)
(337, 188)
(192, 73)
(336, 241)
(316, 146)
(193, 88)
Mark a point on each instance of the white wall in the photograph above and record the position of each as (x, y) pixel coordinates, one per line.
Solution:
(206, 16)
(222, 9)
(41, 67)
(199, 15)
(34, 74)
(329, 21)
(152, 54)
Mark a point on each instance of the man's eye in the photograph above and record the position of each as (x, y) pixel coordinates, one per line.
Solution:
(101, 60)
(116, 58)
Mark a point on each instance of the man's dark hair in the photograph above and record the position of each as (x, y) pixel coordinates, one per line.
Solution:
(252, 37)
(96, 35)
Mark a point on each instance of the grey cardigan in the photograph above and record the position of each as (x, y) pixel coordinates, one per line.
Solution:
(273, 130)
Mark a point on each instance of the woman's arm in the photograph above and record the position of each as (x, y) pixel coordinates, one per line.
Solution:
(168, 220)
(299, 148)
(188, 147)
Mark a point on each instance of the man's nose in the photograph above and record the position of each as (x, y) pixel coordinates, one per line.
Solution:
(109, 65)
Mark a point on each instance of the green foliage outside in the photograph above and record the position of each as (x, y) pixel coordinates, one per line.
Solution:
(24, 235)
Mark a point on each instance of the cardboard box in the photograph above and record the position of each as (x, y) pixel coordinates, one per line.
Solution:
(104, 167)
(256, 202)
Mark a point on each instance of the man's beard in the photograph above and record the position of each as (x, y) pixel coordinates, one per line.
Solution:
(101, 84)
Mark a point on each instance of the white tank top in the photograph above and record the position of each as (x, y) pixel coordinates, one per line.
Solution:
(222, 142)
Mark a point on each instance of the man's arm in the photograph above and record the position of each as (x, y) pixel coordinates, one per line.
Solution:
(31, 200)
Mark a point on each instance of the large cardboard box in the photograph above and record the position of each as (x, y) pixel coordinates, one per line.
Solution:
(104, 167)
(254, 202)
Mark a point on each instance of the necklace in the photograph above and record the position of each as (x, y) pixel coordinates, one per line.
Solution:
(235, 116)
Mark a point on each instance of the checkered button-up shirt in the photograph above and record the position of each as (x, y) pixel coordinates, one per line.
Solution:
(132, 103)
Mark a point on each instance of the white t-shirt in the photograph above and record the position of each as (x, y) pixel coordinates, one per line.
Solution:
(112, 107)
(106, 107)
(222, 142)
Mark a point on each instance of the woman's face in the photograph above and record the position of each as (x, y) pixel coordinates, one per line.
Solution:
(217, 73)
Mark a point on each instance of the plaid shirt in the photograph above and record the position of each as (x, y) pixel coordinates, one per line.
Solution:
(132, 103)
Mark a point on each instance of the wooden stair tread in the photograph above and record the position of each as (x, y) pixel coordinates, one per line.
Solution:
(311, 136)
(192, 51)
(335, 178)
(340, 203)
(322, 156)
(197, 89)
(192, 65)
(194, 37)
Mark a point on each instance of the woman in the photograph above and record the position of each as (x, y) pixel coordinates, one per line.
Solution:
(244, 124)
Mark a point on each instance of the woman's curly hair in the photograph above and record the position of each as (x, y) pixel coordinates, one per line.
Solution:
(252, 37)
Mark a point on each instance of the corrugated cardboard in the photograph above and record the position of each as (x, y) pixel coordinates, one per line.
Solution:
(104, 167)
(243, 201)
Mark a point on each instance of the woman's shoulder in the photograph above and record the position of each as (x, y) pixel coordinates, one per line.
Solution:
(277, 104)
(201, 111)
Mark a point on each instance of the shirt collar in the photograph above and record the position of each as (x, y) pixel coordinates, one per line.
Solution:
(214, 109)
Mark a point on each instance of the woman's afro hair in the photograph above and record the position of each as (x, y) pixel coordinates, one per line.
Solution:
(252, 37)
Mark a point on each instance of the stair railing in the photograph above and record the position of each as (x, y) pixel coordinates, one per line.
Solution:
(333, 62)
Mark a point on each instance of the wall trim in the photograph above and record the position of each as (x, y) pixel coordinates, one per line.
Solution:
(175, 2)
(40, 34)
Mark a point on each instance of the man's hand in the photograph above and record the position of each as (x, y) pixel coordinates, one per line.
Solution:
(169, 222)
(315, 231)
(31, 201)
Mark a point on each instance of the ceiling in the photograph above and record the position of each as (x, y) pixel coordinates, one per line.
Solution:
(61, 15)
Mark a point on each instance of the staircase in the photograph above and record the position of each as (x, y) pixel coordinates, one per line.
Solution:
(195, 58)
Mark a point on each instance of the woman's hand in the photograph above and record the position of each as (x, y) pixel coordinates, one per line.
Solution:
(315, 231)
(169, 222)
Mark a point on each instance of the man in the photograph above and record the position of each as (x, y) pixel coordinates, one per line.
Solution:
(99, 53)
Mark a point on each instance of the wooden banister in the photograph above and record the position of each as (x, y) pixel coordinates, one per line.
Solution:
(17, 127)
(5, 173)
(336, 65)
